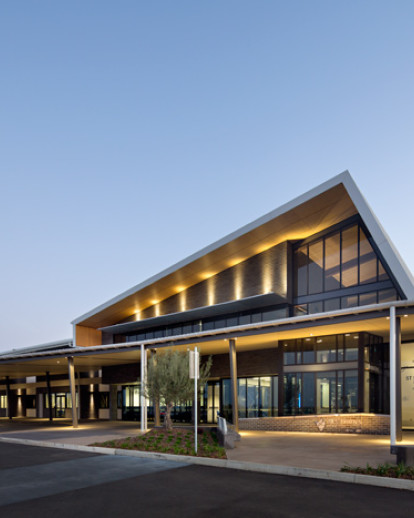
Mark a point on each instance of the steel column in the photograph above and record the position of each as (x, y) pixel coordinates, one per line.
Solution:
(49, 396)
(71, 369)
(144, 424)
(233, 375)
(395, 378)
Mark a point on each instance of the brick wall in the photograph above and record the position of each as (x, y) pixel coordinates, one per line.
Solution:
(262, 362)
(351, 423)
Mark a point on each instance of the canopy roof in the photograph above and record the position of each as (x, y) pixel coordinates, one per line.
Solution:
(324, 206)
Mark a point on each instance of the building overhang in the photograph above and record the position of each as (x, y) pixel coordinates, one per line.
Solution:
(257, 301)
(322, 207)
(372, 319)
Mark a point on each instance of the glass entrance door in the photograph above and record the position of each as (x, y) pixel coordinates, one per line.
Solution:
(131, 409)
(60, 408)
(211, 401)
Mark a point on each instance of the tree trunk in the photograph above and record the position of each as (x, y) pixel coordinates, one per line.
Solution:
(167, 420)
(157, 421)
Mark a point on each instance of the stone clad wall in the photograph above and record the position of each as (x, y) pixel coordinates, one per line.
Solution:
(342, 423)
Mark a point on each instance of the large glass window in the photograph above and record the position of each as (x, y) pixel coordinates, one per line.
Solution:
(351, 346)
(212, 401)
(307, 393)
(332, 262)
(349, 274)
(324, 349)
(367, 260)
(343, 259)
(320, 392)
(302, 271)
(315, 268)
(326, 392)
(226, 406)
(258, 396)
(252, 397)
(351, 391)
(291, 385)
(242, 396)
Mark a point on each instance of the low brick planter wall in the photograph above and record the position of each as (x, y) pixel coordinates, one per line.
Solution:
(326, 423)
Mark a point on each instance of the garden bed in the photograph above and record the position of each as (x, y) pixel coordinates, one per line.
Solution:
(383, 470)
(178, 441)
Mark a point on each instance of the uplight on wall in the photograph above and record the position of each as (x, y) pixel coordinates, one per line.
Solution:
(267, 275)
(207, 275)
(183, 300)
(211, 291)
(238, 281)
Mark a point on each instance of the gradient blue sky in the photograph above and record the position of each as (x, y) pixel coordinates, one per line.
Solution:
(134, 133)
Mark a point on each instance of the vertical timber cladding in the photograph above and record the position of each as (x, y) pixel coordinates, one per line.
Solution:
(266, 272)
(88, 336)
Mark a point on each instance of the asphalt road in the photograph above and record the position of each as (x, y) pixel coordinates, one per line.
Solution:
(38, 482)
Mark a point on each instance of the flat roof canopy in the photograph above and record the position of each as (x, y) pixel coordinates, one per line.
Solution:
(371, 319)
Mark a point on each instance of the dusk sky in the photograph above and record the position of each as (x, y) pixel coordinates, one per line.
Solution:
(134, 133)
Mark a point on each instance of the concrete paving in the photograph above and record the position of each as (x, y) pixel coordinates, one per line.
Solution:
(60, 430)
(311, 450)
(303, 450)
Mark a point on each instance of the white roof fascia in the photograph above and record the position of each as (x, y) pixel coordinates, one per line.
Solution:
(393, 259)
(48, 345)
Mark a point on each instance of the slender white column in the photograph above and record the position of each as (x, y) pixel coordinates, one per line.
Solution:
(144, 424)
(233, 378)
(395, 378)
(71, 368)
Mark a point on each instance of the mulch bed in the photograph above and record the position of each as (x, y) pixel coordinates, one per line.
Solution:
(178, 441)
(383, 470)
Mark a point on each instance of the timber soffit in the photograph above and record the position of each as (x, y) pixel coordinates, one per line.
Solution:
(390, 254)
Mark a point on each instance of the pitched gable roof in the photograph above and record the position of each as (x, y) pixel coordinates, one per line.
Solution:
(324, 206)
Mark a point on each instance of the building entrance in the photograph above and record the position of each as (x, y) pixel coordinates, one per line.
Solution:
(60, 405)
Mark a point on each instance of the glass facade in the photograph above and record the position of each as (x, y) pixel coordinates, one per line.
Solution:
(234, 319)
(336, 390)
(348, 301)
(324, 349)
(343, 373)
(320, 392)
(335, 272)
(258, 396)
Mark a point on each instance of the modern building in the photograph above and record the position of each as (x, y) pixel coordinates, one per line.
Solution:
(307, 312)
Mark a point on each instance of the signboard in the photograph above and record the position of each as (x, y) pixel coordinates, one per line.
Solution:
(194, 361)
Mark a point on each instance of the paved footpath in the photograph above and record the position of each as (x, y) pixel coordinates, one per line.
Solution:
(37, 482)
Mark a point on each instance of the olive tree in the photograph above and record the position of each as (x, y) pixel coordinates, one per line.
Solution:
(168, 379)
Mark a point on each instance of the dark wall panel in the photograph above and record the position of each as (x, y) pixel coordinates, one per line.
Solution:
(262, 273)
